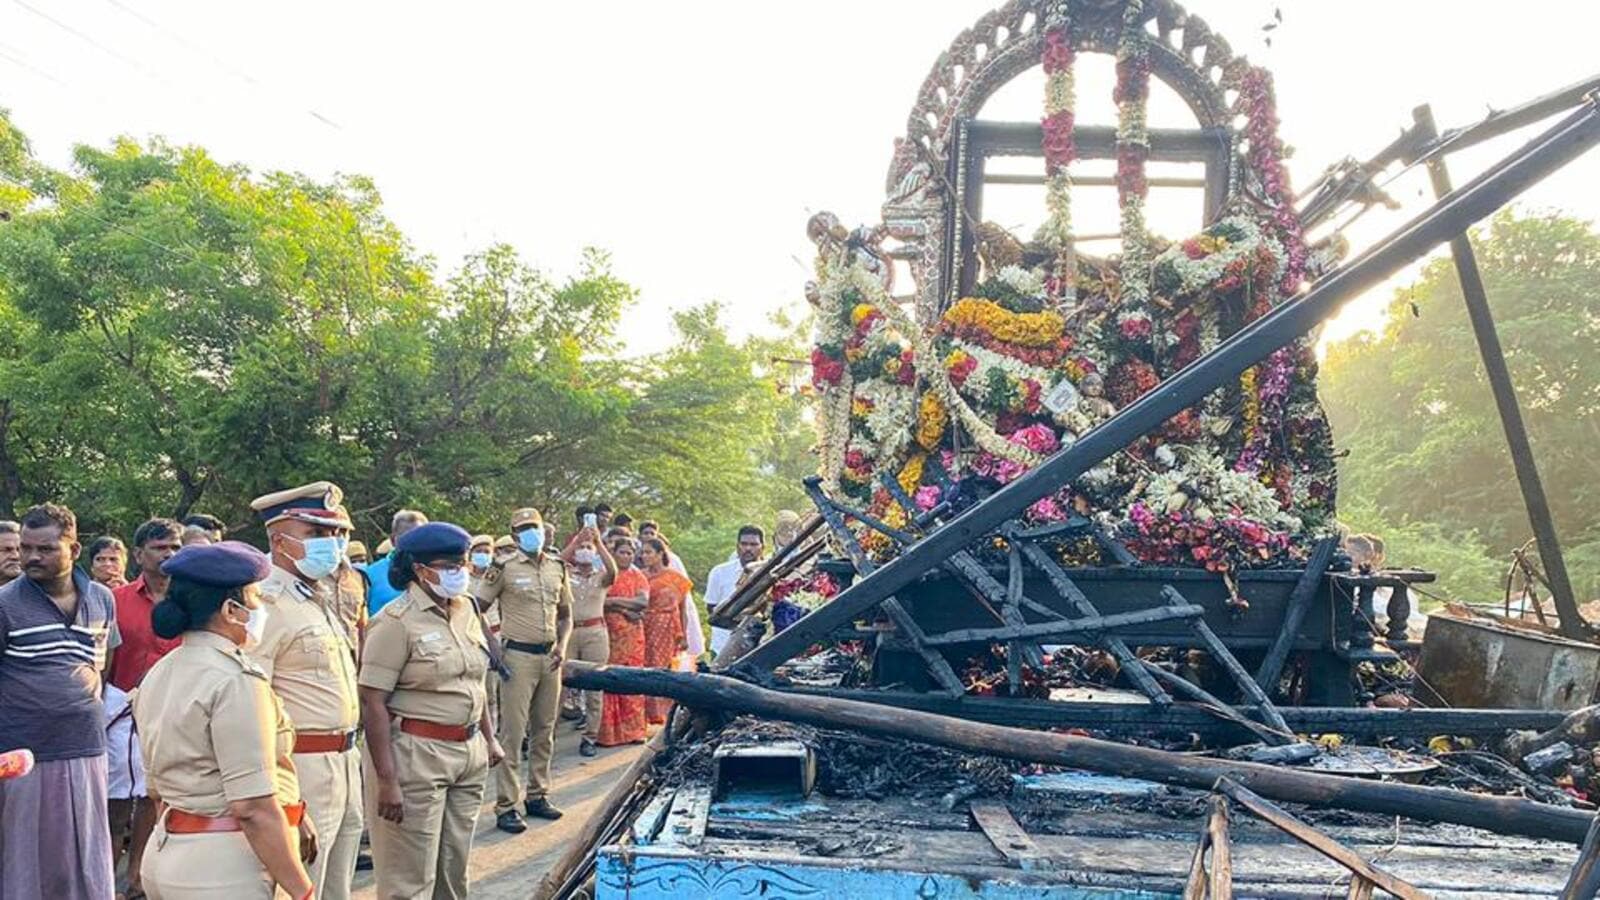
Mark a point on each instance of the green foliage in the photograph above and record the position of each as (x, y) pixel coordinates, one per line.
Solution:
(1428, 466)
(178, 335)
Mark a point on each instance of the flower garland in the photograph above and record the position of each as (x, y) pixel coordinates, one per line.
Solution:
(1133, 148)
(986, 321)
(932, 418)
(1060, 150)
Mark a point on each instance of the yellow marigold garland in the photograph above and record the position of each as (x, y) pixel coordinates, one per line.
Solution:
(910, 477)
(1040, 329)
(932, 418)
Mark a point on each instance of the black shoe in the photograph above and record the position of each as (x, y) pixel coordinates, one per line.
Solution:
(569, 713)
(587, 747)
(510, 822)
(364, 862)
(542, 809)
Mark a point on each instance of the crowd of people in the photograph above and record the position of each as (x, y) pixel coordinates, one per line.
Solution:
(236, 722)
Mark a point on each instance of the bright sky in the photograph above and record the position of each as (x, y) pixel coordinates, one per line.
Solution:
(693, 140)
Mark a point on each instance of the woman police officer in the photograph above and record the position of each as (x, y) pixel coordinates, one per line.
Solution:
(429, 743)
(216, 742)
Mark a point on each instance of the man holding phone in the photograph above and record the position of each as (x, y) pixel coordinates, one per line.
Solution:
(593, 570)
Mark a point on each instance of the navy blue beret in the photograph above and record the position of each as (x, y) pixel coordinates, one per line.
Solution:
(226, 564)
(435, 538)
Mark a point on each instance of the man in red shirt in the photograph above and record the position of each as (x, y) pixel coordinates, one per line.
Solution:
(130, 811)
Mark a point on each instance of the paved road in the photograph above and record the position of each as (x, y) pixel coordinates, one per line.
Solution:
(508, 867)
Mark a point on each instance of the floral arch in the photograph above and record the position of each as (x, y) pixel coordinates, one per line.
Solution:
(1008, 347)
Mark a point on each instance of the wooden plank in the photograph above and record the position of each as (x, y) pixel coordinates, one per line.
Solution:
(1316, 840)
(1360, 889)
(648, 824)
(1215, 706)
(1584, 882)
(685, 824)
(938, 666)
(1014, 650)
(974, 574)
(1294, 616)
(1221, 882)
(1066, 626)
(1080, 602)
(1230, 663)
(1002, 830)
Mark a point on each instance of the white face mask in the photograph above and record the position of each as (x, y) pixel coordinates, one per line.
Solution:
(254, 626)
(586, 557)
(452, 581)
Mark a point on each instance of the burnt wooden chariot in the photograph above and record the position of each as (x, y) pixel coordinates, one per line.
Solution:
(938, 599)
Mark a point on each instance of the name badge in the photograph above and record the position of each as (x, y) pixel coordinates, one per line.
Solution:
(430, 636)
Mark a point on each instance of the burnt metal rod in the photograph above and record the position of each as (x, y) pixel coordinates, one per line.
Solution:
(1066, 626)
(1295, 614)
(1505, 401)
(1505, 180)
(1505, 815)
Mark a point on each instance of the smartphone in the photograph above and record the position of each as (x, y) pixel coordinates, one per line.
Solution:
(589, 520)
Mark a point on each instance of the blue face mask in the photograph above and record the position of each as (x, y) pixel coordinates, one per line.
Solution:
(322, 555)
(531, 540)
(481, 560)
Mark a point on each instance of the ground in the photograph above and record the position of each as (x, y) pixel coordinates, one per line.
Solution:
(510, 866)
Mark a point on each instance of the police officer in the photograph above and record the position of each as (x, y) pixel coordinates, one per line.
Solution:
(307, 650)
(480, 557)
(535, 603)
(216, 742)
(428, 746)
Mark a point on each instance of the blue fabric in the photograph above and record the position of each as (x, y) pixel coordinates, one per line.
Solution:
(379, 593)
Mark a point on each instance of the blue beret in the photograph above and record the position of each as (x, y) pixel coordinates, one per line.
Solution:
(435, 537)
(226, 564)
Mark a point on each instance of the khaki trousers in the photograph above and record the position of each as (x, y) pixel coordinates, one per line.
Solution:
(591, 644)
(330, 784)
(217, 866)
(442, 783)
(529, 703)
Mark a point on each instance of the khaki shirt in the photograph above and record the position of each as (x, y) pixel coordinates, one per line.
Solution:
(431, 665)
(347, 593)
(307, 654)
(211, 730)
(532, 592)
(491, 616)
(589, 596)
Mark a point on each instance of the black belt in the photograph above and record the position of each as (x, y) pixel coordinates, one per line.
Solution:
(524, 647)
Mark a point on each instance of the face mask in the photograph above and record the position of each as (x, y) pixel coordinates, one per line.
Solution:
(254, 626)
(452, 581)
(531, 540)
(481, 560)
(344, 544)
(587, 557)
(322, 555)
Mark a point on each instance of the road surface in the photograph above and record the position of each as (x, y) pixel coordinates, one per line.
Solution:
(508, 867)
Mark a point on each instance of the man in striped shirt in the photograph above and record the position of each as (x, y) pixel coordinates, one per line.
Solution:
(57, 629)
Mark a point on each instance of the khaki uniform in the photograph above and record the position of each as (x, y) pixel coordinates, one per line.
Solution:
(307, 653)
(591, 642)
(212, 732)
(491, 681)
(432, 668)
(533, 594)
(349, 600)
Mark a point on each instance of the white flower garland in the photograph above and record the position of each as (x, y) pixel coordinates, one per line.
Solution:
(1132, 129)
(1199, 275)
(1060, 90)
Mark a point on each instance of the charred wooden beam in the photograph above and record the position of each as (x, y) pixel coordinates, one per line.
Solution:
(1064, 585)
(1230, 663)
(1295, 615)
(1263, 809)
(1119, 719)
(1218, 883)
(782, 561)
(1090, 625)
(1506, 815)
(1216, 707)
(1568, 139)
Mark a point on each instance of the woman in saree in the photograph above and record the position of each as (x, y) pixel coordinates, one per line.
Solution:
(664, 635)
(622, 715)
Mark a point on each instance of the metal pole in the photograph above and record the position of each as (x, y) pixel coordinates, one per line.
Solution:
(1549, 151)
(1505, 400)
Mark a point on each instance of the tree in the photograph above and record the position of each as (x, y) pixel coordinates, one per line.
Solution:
(179, 334)
(1427, 455)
